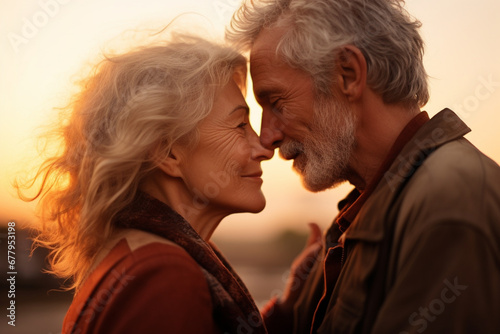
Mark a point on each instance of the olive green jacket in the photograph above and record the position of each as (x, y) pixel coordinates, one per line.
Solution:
(423, 254)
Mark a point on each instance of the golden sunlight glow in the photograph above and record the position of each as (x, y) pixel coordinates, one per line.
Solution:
(46, 43)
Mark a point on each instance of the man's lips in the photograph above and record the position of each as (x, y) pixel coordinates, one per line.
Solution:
(289, 156)
(298, 160)
(290, 150)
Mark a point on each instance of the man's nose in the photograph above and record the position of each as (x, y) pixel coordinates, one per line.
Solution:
(271, 135)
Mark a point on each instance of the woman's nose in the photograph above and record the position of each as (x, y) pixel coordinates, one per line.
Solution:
(259, 152)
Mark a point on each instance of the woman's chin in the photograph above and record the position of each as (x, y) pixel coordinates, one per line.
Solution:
(254, 205)
(258, 206)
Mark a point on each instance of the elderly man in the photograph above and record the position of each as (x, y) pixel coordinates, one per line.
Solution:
(416, 244)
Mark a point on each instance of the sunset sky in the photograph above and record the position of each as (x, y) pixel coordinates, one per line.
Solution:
(44, 45)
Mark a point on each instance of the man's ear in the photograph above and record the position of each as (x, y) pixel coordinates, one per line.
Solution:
(351, 72)
(171, 165)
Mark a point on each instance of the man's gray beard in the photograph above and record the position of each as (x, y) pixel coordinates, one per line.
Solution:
(325, 153)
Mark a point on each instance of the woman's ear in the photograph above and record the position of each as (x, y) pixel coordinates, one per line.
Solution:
(171, 165)
(351, 72)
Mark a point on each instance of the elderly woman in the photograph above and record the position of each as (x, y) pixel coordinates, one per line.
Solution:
(157, 149)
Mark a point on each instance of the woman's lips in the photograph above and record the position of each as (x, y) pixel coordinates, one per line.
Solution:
(254, 176)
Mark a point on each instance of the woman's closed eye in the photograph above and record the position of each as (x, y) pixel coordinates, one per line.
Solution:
(242, 125)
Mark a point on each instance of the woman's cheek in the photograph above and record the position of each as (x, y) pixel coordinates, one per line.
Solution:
(233, 168)
(244, 149)
(235, 160)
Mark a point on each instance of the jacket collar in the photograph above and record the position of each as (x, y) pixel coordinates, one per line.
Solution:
(232, 303)
(444, 127)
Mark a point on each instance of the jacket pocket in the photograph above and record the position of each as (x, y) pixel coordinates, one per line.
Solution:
(343, 318)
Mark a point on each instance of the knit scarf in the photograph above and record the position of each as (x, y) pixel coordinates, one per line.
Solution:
(234, 309)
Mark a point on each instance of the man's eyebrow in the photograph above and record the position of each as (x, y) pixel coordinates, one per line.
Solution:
(261, 94)
(239, 107)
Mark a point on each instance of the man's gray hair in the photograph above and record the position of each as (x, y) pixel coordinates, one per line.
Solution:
(316, 31)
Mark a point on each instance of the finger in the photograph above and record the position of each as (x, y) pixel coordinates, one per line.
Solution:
(314, 250)
(315, 234)
(308, 257)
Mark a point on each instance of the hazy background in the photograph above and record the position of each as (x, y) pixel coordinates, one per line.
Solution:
(45, 44)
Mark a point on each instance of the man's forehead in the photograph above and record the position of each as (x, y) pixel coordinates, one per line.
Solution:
(267, 69)
(265, 44)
